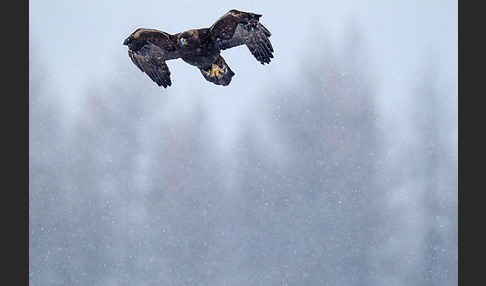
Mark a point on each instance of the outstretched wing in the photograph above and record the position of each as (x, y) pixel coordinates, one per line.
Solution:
(149, 59)
(166, 42)
(149, 49)
(237, 28)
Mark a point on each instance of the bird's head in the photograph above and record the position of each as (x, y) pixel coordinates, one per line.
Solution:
(188, 39)
(182, 42)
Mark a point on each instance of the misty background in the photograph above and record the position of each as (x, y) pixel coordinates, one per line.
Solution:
(334, 165)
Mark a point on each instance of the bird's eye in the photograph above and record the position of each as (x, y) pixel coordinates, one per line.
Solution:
(182, 41)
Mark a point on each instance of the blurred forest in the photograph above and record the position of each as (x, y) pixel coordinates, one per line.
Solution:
(127, 196)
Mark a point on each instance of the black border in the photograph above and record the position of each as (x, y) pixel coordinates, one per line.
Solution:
(15, 115)
(470, 121)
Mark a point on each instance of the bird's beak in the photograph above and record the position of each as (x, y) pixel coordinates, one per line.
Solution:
(125, 42)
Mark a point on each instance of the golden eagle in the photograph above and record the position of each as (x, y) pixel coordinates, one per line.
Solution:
(149, 49)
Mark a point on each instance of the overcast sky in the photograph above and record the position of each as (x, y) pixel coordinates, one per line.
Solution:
(168, 161)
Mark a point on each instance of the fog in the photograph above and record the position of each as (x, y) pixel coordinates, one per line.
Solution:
(334, 165)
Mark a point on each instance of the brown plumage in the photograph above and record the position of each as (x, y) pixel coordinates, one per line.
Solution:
(149, 49)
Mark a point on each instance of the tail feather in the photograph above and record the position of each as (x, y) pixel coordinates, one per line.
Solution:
(218, 73)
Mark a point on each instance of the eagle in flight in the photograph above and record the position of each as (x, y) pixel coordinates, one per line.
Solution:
(149, 49)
